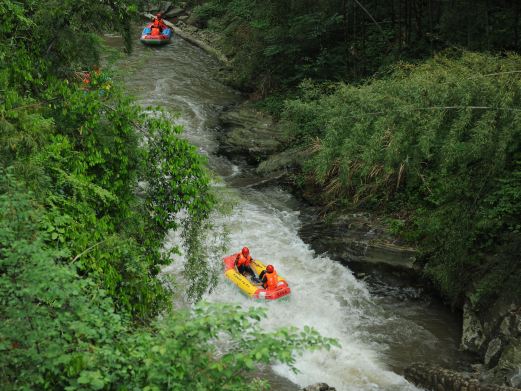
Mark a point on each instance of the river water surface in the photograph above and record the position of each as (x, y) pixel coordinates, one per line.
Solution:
(381, 328)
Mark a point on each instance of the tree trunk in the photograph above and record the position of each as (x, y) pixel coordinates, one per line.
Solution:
(516, 26)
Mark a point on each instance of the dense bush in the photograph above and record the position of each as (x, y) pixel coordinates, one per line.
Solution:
(59, 331)
(89, 187)
(438, 143)
(82, 149)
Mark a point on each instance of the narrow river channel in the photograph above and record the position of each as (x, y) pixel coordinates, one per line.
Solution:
(381, 328)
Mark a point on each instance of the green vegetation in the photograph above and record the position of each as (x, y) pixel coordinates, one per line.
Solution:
(59, 331)
(79, 150)
(426, 133)
(277, 43)
(89, 187)
(438, 144)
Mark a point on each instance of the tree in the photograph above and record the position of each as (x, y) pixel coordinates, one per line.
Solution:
(58, 331)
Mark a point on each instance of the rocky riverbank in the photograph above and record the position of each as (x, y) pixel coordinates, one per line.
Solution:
(440, 379)
(361, 239)
(494, 333)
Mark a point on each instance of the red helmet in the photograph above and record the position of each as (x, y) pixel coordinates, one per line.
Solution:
(270, 268)
(158, 14)
(245, 251)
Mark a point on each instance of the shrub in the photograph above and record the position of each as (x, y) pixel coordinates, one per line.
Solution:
(438, 139)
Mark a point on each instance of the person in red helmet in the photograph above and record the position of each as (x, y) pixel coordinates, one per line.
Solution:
(155, 32)
(243, 264)
(158, 22)
(269, 278)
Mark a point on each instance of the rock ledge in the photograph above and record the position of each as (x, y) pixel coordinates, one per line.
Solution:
(440, 379)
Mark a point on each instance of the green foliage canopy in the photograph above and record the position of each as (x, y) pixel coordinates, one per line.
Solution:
(59, 331)
(89, 187)
(83, 151)
(277, 43)
(438, 143)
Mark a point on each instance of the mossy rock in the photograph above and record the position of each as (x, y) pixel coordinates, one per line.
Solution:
(509, 364)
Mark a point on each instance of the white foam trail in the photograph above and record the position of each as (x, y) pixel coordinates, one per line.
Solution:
(325, 295)
(236, 170)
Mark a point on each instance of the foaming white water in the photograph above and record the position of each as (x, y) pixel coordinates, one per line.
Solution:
(325, 295)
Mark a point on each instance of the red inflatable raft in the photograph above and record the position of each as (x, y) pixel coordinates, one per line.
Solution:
(148, 38)
(250, 288)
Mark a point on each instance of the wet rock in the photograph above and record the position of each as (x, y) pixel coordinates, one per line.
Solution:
(493, 352)
(319, 387)
(358, 237)
(249, 179)
(174, 12)
(183, 18)
(436, 378)
(473, 336)
(248, 133)
(281, 161)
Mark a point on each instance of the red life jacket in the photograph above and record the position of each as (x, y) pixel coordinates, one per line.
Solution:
(242, 260)
(159, 24)
(272, 280)
(86, 78)
(156, 31)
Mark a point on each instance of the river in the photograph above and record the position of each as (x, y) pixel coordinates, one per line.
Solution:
(382, 328)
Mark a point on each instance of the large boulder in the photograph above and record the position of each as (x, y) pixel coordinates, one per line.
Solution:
(473, 337)
(435, 378)
(248, 133)
(358, 238)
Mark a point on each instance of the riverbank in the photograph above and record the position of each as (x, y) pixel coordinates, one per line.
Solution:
(365, 244)
(362, 247)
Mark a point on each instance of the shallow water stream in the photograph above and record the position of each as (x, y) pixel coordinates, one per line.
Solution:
(382, 328)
